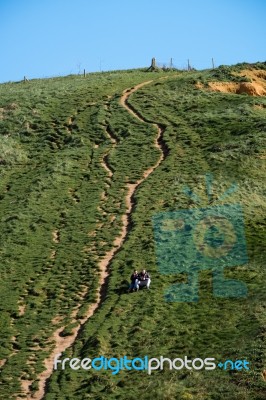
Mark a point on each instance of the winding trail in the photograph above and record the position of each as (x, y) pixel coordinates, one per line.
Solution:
(62, 343)
(104, 162)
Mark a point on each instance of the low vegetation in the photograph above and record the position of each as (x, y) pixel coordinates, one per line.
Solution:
(60, 213)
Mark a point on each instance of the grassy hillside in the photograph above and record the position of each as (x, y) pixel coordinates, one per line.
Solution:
(61, 210)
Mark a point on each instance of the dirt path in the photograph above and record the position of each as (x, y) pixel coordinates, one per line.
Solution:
(104, 162)
(62, 343)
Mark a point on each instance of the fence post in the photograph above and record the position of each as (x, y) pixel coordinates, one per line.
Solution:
(213, 64)
(84, 73)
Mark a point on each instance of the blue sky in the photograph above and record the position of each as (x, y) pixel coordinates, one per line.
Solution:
(58, 37)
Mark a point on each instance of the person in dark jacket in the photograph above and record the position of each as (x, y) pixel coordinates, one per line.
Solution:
(144, 279)
(134, 279)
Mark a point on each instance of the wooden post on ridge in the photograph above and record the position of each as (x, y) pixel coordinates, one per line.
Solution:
(84, 73)
(188, 66)
(153, 66)
(213, 64)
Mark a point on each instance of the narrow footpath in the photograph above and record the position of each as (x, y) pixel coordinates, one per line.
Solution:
(62, 343)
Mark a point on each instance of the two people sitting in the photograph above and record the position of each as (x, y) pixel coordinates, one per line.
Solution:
(139, 280)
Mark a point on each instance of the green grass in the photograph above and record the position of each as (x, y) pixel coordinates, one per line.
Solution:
(51, 179)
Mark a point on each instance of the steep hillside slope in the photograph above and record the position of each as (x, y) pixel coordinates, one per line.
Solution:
(84, 169)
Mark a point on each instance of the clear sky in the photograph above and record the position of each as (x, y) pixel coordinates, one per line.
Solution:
(41, 38)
